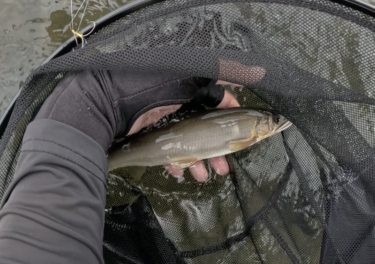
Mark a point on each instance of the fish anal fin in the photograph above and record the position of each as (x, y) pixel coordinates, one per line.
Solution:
(183, 162)
(241, 144)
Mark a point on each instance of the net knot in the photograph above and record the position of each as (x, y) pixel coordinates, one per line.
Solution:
(78, 34)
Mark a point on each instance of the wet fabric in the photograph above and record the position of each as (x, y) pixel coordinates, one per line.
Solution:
(303, 196)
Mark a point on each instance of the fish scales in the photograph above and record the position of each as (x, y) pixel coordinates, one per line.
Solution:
(201, 136)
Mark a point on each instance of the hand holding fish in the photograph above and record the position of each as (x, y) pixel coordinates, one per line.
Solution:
(112, 104)
(219, 164)
(198, 170)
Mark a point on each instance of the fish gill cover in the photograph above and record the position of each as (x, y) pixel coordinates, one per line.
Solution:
(305, 195)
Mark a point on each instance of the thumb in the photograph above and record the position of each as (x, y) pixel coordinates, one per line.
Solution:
(228, 101)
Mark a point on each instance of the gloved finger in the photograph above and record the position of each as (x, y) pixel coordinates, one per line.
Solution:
(174, 171)
(228, 101)
(210, 95)
(215, 95)
(198, 171)
(134, 93)
(220, 165)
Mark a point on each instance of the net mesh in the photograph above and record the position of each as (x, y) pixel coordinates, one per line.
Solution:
(302, 196)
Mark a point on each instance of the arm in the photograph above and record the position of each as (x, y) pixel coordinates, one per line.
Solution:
(53, 212)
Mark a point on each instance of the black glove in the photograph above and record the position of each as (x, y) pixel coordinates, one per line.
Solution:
(105, 104)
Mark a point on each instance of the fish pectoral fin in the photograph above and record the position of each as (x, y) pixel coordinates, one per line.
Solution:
(241, 144)
(183, 162)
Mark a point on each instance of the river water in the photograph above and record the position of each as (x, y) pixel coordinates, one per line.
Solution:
(31, 30)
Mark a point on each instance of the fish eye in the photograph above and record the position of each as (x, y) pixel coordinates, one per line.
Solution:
(276, 119)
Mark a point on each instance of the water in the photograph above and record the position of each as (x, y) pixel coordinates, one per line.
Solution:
(31, 30)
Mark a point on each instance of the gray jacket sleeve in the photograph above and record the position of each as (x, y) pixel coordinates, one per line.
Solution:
(53, 212)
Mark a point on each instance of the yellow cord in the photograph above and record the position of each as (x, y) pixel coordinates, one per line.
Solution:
(77, 34)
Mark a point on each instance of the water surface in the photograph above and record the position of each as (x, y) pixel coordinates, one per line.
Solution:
(31, 30)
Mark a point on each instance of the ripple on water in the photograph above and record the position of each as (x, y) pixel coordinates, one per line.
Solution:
(30, 31)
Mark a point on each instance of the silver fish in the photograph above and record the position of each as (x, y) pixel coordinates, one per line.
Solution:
(202, 136)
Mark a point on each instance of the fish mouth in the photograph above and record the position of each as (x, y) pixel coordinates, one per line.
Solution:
(282, 123)
(286, 124)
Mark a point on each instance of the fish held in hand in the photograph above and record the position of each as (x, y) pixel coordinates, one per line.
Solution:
(202, 136)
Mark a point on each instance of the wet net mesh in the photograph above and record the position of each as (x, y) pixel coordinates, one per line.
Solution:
(303, 196)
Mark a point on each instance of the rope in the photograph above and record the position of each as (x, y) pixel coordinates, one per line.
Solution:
(77, 33)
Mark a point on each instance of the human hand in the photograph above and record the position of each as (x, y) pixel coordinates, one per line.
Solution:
(112, 104)
(228, 70)
(198, 170)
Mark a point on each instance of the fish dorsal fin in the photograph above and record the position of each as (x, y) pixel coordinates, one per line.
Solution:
(183, 161)
(237, 145)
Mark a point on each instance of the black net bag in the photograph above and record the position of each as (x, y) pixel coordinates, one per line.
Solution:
(306, 195)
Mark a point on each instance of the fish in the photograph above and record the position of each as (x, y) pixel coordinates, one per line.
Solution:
(201, 136)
